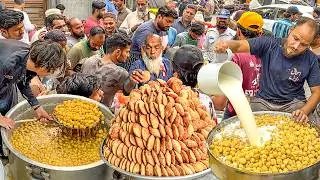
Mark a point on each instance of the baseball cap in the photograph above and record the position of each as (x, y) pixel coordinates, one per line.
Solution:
(293, 10)
(187, 57)
(251, 21)
(223, 13)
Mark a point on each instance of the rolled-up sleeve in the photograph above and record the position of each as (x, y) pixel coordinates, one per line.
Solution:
(26, 92)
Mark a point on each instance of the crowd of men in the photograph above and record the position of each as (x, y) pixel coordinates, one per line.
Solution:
(109, 52)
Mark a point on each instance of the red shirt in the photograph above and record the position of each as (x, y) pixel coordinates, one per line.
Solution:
(90, 23)
(250, 66)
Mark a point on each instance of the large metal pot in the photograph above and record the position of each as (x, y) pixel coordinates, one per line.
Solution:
(23, 168)
(204, 175)
(225, 172)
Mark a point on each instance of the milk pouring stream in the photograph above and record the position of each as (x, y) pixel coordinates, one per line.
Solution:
(232, 88)
(215, 79)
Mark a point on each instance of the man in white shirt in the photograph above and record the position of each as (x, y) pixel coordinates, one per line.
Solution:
(19, 6)
(220, 32)
(136, 18)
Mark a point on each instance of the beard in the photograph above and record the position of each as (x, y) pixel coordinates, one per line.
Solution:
(142, 13)
(79, 36)
(100, 15)
(153, 65)
(290, 52)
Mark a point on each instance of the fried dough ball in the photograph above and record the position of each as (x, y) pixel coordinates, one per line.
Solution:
(78, 114)
(292, 147)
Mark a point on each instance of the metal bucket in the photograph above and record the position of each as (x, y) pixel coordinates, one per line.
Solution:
(23, 168)
(225, 172)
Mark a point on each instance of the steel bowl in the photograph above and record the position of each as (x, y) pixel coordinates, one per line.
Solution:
(205, 175)
(225, 172)
(22, 167)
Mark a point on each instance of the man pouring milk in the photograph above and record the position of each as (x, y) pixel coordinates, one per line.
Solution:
(286, 65)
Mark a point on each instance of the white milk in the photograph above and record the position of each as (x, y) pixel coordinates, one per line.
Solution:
(232, 88)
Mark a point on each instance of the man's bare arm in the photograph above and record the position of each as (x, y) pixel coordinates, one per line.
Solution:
(234, 45)
(312, 101)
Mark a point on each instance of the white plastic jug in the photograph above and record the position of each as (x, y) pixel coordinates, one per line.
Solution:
(208, 76)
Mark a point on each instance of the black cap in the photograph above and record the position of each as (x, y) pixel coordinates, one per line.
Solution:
(98, 4)
(188, 57)
(293, 10)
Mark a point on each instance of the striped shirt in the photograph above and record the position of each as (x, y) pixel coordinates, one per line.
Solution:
(280, 29)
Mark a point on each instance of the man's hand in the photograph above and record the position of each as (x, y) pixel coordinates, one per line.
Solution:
(6, 122)
(42, 115)
(221, 46)
(137, 76)
(300, 116)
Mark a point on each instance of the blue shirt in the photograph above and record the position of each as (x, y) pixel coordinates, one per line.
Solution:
(149, 28)
(110, 7)
(280, 29)
(283, 78)
(165, 74)
(178, 25)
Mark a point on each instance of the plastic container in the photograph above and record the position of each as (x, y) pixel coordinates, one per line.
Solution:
(208, 76)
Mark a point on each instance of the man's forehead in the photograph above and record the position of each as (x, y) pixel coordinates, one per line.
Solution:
(109, 19)
(142, 1)
(304, 33)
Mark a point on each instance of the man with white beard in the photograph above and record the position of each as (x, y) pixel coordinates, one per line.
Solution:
(152, 60)
(136, 18)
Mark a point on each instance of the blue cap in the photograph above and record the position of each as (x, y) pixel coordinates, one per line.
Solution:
(293, 10)
(224, 13)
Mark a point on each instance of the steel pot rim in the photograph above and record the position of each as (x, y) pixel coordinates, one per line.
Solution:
(251, 173)
(42, 165)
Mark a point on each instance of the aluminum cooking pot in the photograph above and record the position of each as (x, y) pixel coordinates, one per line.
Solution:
(23, 168)
(225, 172)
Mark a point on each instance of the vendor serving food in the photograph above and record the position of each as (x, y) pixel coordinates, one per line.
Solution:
(286, 65)
(19, 63)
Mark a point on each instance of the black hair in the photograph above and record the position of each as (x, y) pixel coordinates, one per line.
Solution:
(97, 5)
(187, 61)
(97, 30)
(192, 6)
(197, 28)
(55, 35)
(10, 18)
(287, 15)
(166, 11)
(247, 33)
(79, 84)
(110, 15)
(117, 40)
(49, 20)
(19, 2)
(61, 7)
(310, 22)
(48, 55)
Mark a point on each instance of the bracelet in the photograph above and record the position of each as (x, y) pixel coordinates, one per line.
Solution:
(36, 107)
